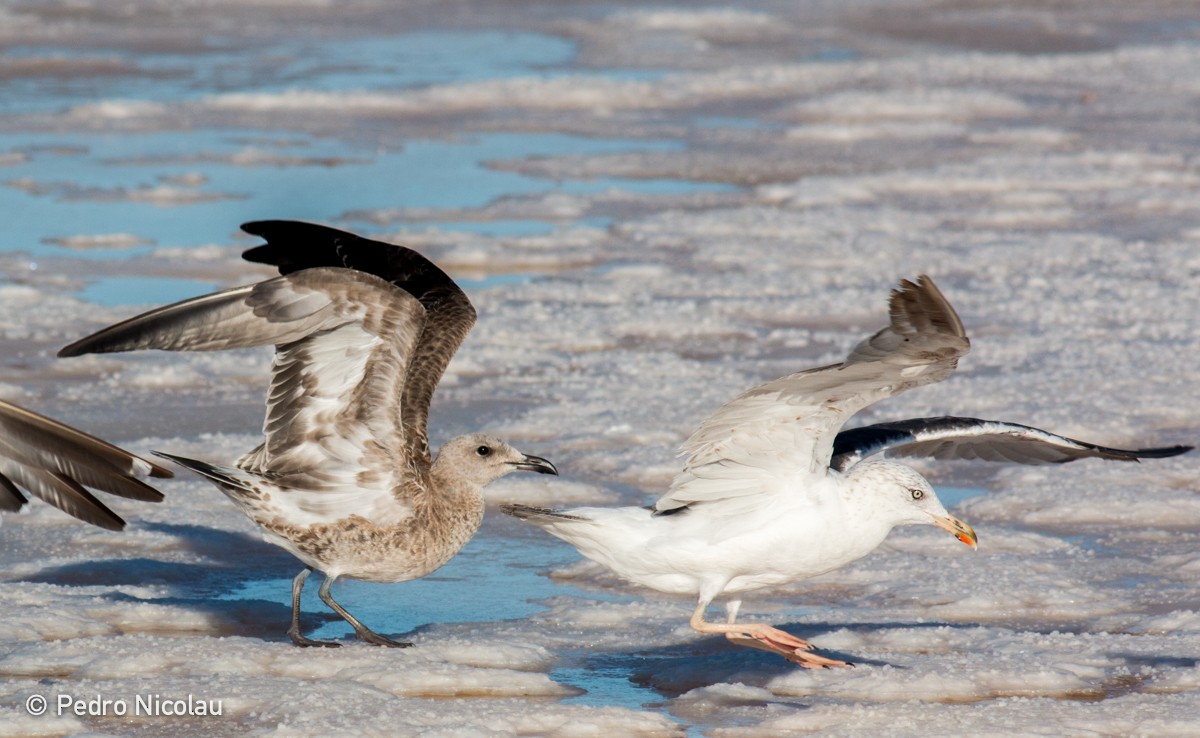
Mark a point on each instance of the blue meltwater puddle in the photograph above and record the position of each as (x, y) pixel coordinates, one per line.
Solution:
(191, 187)
(495, 577)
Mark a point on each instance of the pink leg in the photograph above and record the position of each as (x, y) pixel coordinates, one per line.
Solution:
(763, 637)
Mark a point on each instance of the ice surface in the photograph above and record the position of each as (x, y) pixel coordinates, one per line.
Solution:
(652, 210)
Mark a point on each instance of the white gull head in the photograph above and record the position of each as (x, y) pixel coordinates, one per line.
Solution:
(889, 494)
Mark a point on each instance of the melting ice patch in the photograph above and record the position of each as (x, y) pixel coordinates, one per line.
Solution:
(629, 284)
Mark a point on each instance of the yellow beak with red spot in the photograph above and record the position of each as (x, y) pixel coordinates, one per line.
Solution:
(958, 529)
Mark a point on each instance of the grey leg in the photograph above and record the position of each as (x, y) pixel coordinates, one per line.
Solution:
(294, 631)
(361, 630)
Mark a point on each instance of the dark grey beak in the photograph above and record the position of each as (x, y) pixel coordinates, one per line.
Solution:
(535, 464)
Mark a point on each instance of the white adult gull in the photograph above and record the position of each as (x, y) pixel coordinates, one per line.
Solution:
(772, 493)
(56, 463)
(344, 479)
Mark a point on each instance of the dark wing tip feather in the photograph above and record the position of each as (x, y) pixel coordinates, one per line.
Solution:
(951, 437)
(293, 245)
(69, 496)
(1163, 452)
(125, 486)
(76, 348)
(11, 499)
(922, 303)
(43, 446)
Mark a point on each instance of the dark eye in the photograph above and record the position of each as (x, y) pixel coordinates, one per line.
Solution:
(917, 493)
(483, 450)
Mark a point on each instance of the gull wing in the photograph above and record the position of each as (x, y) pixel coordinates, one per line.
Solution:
(294, 245)
(343, 340)
(972, 438)
(786, 427)
(54, 461)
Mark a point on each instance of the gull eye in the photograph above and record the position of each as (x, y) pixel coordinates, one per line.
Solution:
(484, 450)
(917, 493)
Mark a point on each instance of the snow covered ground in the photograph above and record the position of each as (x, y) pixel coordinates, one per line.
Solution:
(652, 210)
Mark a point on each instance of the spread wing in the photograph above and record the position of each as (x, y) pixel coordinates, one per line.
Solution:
(293, 245)
(972, 438)
(787, 427)
(55, 462)
(343, 340)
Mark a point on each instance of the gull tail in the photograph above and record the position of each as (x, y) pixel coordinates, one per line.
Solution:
(235, 483)
(614, 537)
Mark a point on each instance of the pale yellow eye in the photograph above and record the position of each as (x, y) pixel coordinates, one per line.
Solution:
(917, 493)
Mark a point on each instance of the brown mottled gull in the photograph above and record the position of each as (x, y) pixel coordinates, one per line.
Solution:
(344, 479)
(55, 462)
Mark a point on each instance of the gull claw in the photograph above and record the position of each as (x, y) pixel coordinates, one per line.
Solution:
(374, 638)
(303, 642)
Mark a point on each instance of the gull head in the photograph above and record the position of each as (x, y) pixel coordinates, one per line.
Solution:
(482, 459)
(895, 493)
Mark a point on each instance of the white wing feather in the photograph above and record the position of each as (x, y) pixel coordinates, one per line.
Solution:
(787, 426)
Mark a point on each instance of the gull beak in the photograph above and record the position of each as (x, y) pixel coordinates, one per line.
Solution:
(535, 464)
(958, 529)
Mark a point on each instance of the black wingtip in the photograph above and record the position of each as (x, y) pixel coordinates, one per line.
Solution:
(114, 523)
(1164, 452)
(922, 295)
(11, 499)
(78, 348)
(255, 227)
(269, 229)
(292, 245)
(264, 228)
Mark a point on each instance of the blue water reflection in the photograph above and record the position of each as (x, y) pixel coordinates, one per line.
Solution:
(384, 62)
(74, 184)
(494, 577)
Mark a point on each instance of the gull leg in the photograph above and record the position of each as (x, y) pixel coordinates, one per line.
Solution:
(294, 631)
(361, 630)
(731, 612)
(763, 637)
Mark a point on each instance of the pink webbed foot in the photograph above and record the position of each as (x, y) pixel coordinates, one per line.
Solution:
(774, 640)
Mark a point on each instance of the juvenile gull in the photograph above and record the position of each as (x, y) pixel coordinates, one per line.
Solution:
(55, 462)
(772, 493)
(344, 479)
